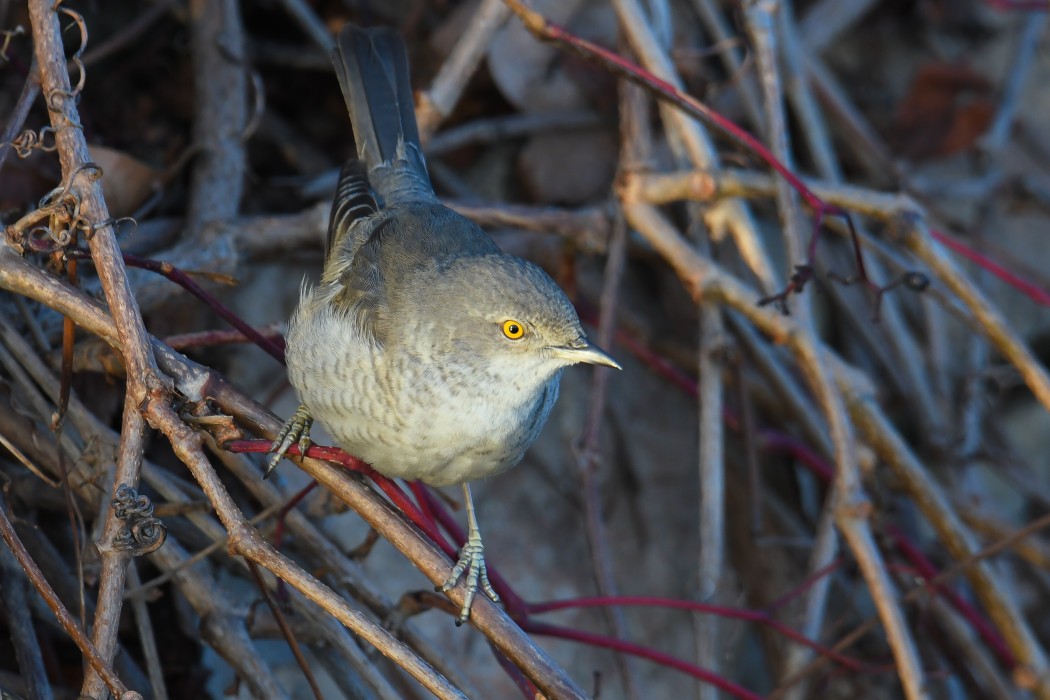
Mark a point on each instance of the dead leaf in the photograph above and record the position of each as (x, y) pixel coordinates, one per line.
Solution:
(946, 109)
(126, 181)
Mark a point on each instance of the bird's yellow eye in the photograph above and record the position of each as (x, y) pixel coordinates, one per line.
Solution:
(512, 329)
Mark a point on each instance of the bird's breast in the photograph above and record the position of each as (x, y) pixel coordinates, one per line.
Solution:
(411, 414)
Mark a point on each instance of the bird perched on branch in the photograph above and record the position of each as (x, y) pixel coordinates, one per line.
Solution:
(425, 350)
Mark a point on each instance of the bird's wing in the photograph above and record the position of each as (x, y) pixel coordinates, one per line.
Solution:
(355, 278)
(353, 202)
(403, 250)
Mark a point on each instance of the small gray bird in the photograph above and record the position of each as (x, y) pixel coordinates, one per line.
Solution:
(425, 350)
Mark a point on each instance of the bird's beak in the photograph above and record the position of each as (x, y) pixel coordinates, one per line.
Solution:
(586, 352)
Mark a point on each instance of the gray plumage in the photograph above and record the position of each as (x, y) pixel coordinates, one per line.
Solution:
(403, 351)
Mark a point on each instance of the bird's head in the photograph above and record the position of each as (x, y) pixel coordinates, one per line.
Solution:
(507, 312)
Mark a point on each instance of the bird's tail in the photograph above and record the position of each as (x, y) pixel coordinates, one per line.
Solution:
(372, 66)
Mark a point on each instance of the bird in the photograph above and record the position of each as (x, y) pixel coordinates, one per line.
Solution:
(424, 349)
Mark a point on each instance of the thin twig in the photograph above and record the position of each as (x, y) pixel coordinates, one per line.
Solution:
(191, 379)
(272, 347)
(130, 33)
(756, 616)
(344, 570)
(918, 238)
(147, 638)
(759, 15)
(222, 625)
(893, 339)
(859, 136)
(588, 457)
(908, 469)
(712, 484)
(30, 90)
(640, 651)
(633, 144)
(143, 382)
(713, 18)
(436, 103)
(851, 508)
(826, 20)
(286, 630)
(825, 551)
(7, 531)
(227, 631)
(14, 604)
(706, 186)
(826, 542)
(995, 138)
(695, 144)
(499, 129)
(974, 655)
(310, 23)
(220, 85)
(115, 562)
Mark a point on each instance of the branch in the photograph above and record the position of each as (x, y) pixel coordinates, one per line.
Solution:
(144, 381)
(194, 382)
(69, 624)
(435, 104)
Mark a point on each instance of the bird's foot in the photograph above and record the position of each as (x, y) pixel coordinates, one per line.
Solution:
(297, 428)
(472, 562)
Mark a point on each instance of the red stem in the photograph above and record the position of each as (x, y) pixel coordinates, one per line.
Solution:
(659, 657)
(690, 104)
(1032, 291)
(545, 30)
(270, 346)
(816, 464)
(774, 441)
(334, 454)
(807, 583)
(526, 687)
(761, 617)
(278, 530)
(927, 571)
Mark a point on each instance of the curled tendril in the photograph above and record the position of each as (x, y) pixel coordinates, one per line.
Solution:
(81, 24)
(9, 35)
(28, 140)
(142, 537)
(81, 76)
(43, 239)
(61, 200)
(55, 101)
(62, 236)
(75, 59)
(258, 106)
(142, 533)
(95, 168)
(115, 224)
(61, 208)
(129, 502)
(77, 221)
(85, 227)
(66, 189)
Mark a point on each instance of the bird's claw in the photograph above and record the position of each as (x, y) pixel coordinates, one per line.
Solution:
(472, 562)
(296, 429)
